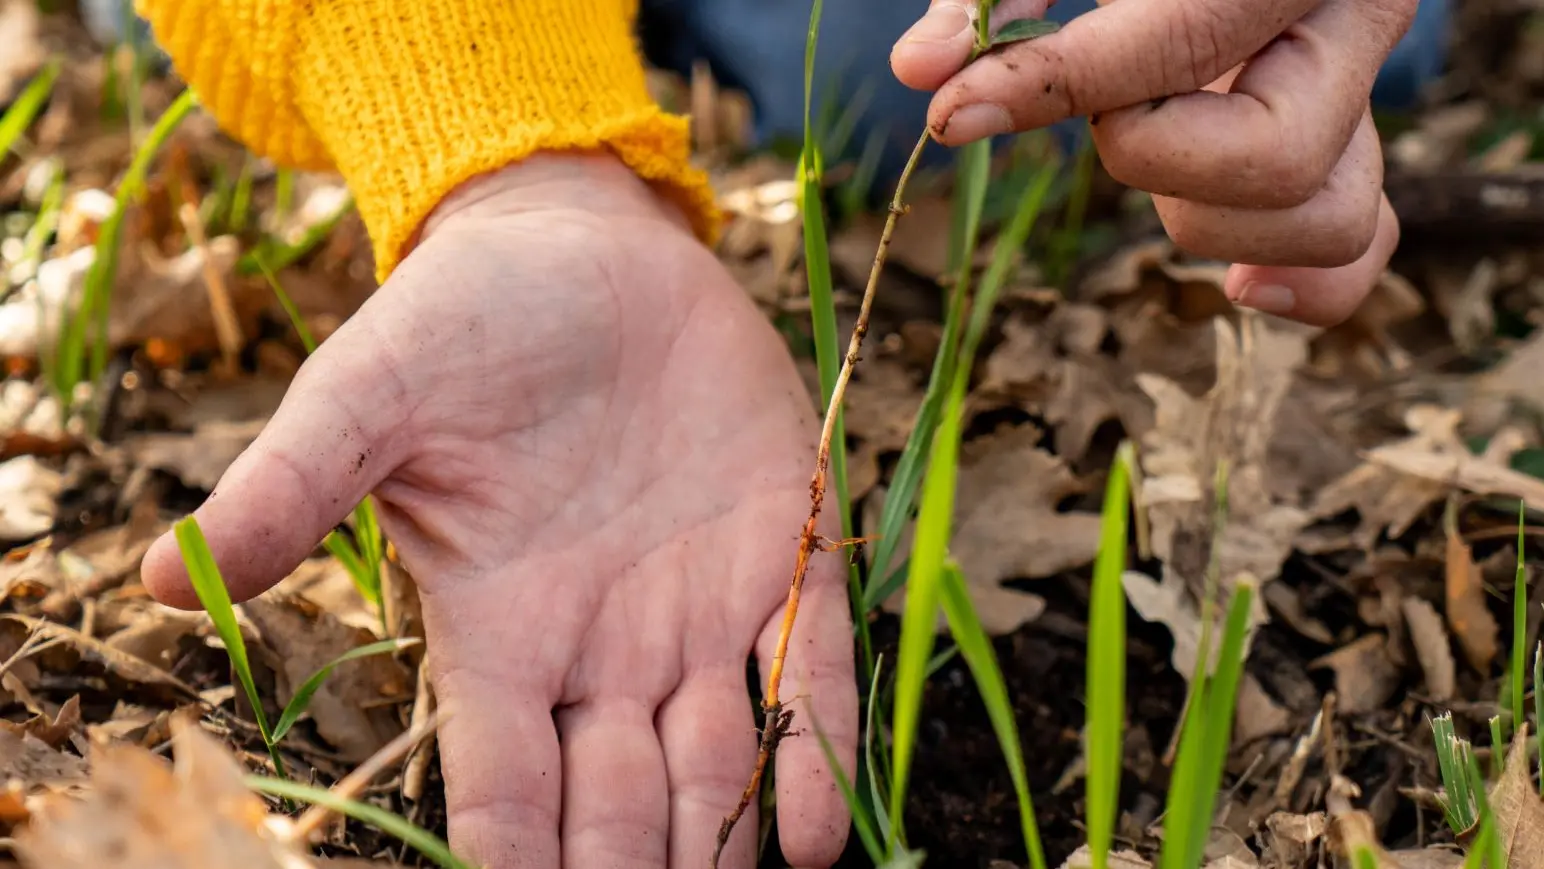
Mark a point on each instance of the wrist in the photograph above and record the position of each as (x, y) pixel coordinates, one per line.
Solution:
(595, 181)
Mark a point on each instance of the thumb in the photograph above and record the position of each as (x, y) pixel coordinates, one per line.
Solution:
(937, 46)
(324, 450)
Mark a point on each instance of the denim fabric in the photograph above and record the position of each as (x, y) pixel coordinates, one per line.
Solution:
(758, 46)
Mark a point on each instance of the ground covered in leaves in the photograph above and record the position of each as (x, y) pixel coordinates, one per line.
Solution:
(1375, 470)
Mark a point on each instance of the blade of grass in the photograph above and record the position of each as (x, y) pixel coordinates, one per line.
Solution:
(1519, 623)
(920, 616)
(96, 299)
(965, 625)
(1489, 844)
(429, 845)
(290, 310)
(281, 254)
(1107, 665)
(302, 697)
(1497, 745)
(209, 585)
(877, 796)
(241, 198)
(1221, 704)
(25, 108)
(860, 816)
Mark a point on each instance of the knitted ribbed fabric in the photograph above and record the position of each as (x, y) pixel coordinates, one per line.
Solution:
(409, 98)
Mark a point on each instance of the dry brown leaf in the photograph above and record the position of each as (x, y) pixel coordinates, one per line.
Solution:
(327, 583)
(124, 664)
(1467, 614)
(350, 708)
(21, 49)
(1083, 858)
(920, 243)
(52, 731)
(29, 492)
(1007, 525)
(1292, 840)
(1433, 857)
(1365, 675)
(139, 813)
(1385, 498)
(198, 459)
(1518, 810)
(37, 764)
(1232, 423)
(1170, 604)
(1431, 647)
(156, 635)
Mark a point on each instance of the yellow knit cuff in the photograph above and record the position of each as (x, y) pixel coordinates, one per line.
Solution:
(410, 99)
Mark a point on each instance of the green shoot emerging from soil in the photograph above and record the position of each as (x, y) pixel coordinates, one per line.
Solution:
(209, 585)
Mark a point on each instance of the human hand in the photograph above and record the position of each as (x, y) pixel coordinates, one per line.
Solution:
(593, 453)
(1248, 120)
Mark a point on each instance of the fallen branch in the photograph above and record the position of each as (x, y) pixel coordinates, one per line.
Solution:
(777, 718)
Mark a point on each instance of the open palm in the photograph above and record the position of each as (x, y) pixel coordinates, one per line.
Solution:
(593, 454)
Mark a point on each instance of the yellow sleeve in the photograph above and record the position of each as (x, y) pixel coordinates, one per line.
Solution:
(408, 99)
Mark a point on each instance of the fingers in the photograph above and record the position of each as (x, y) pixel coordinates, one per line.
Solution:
(818, 681)
(1333, 229)
(709, 736)
(325, 448)
(502, 765)
(1273, 137)
(1116, 56)
(1319, 297)
(613, 781)
(940, 42)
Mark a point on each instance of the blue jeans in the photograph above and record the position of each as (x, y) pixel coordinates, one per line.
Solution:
(758, 46)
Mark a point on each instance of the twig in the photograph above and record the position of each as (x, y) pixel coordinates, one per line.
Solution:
(351, 784)
(778, 719)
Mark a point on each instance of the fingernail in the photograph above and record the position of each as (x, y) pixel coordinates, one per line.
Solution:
(941, 24)
(977, 122)
(1270, 298)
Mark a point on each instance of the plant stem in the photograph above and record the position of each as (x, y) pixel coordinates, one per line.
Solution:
(778, 719)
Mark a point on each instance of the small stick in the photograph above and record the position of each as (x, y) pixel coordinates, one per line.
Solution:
(778, 719)
(351, 784)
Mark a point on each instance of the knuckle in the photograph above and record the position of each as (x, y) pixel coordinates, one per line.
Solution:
(1197, 47)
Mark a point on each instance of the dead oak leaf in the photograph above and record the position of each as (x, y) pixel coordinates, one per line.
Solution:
(1007, 525)
(29, 504)
(350, 708)
(1233, 423)
(198, 459)
(1467, 612)
(1169, 604)
(1431, 647)
(53, 730)
(1518, 809)
(1365, 675)
(140, 813)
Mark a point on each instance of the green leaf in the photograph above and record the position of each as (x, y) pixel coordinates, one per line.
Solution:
(302, 698)
(860, 818)
(296, 321)
(96, 298)
(920, 617)
(431, 846)
(209, 585)
(965, 625)
(1024, 29)
(25, 108)
(1107, 665)
(876, 791)
(1519, 624)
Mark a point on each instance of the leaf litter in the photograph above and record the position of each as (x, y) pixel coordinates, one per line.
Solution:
(1344, 451)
